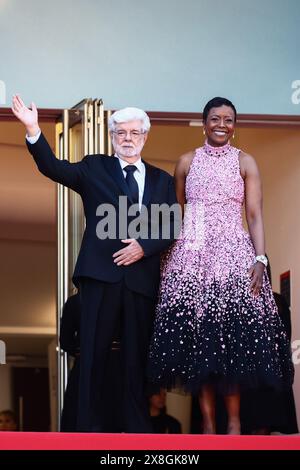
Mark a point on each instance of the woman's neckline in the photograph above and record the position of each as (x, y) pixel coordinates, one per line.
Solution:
(216, 151)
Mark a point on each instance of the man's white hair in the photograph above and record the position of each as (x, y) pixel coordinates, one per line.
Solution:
(129, 114)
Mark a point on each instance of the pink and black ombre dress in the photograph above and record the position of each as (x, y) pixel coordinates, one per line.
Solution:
(209, 327)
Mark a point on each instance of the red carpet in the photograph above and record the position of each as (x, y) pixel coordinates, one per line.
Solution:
(76, 441)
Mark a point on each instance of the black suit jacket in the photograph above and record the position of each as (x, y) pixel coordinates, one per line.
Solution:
(99, 179)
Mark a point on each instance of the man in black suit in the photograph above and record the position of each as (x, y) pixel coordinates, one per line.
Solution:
(118, 274)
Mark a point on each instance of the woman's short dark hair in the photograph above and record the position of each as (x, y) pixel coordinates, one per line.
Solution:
(216, 103)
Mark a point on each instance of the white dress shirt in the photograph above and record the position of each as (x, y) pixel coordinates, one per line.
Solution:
(34, 139)
(139, 173)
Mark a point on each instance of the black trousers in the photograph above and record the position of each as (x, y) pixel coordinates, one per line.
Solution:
(113, 382)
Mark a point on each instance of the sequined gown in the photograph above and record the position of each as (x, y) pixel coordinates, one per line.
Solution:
(208, 325)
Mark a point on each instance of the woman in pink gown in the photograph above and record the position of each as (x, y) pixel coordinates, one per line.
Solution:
(217, 326)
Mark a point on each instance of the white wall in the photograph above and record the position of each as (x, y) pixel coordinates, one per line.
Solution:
(160, 55)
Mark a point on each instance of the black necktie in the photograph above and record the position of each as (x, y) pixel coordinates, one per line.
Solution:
(131, 182)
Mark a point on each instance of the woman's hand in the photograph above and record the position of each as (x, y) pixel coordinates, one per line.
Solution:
(256, 273)
(29, 117)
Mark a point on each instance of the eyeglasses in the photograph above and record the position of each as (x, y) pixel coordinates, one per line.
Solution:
(133, 134)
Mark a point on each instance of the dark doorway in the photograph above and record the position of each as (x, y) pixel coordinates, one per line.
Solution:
(31, 397)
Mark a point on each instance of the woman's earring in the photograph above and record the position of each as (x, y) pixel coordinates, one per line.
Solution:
(233, 136)
(204, 133)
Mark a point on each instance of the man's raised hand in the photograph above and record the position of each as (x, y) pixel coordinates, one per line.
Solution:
(29, 117)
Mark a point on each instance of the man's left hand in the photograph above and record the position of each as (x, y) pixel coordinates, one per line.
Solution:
(130, 254)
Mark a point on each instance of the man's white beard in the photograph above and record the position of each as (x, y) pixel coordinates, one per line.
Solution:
(129, 151)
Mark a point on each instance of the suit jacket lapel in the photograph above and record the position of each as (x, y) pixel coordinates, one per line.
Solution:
(113, 167)
(149, 183)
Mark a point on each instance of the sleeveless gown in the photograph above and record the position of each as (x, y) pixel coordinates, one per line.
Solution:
(208, 326)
